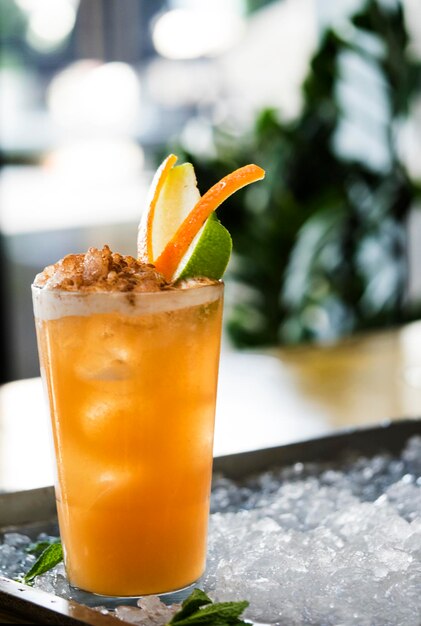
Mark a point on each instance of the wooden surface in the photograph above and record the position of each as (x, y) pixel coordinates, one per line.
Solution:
(361, 380)
(265, 399)
(20, 603)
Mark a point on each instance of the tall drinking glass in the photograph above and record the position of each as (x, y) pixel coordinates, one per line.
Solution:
(131, 382)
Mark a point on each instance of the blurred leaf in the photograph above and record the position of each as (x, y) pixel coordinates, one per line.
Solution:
(320, 246)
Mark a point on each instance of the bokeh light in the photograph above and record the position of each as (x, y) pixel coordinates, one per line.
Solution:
(97, 160)
(90, 95)
(50, 22)
(190, 34)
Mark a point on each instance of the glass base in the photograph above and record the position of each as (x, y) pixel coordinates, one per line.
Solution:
(111, 602)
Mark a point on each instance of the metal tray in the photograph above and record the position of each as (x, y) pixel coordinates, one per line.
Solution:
(35, 509)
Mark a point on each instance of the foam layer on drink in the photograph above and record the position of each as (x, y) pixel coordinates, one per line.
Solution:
(101, 281)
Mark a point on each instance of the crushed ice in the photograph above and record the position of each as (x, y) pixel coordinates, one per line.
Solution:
(308, 544)
(151, 612)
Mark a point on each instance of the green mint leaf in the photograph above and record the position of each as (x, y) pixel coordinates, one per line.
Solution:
(52, 555)
(193, 612)
(39, 546)
(191, 604)
(219, 614)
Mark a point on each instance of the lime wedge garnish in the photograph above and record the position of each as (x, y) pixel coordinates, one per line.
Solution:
(209, 252)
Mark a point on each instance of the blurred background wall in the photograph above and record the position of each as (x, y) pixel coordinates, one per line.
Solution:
(325, 95)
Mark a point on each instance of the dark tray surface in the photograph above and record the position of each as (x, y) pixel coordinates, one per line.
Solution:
(367, 441)
(22, 604)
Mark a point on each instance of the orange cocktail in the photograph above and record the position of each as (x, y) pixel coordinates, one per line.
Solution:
(132, 381)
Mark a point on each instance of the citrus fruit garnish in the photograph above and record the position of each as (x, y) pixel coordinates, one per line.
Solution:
(208, 253)
(179, 232)
(144, 240)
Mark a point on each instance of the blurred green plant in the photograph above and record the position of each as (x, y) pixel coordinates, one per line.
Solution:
(320, 246)
(255, 5)
(12, 24)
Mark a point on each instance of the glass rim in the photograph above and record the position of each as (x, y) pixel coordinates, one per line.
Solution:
(55, 303)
